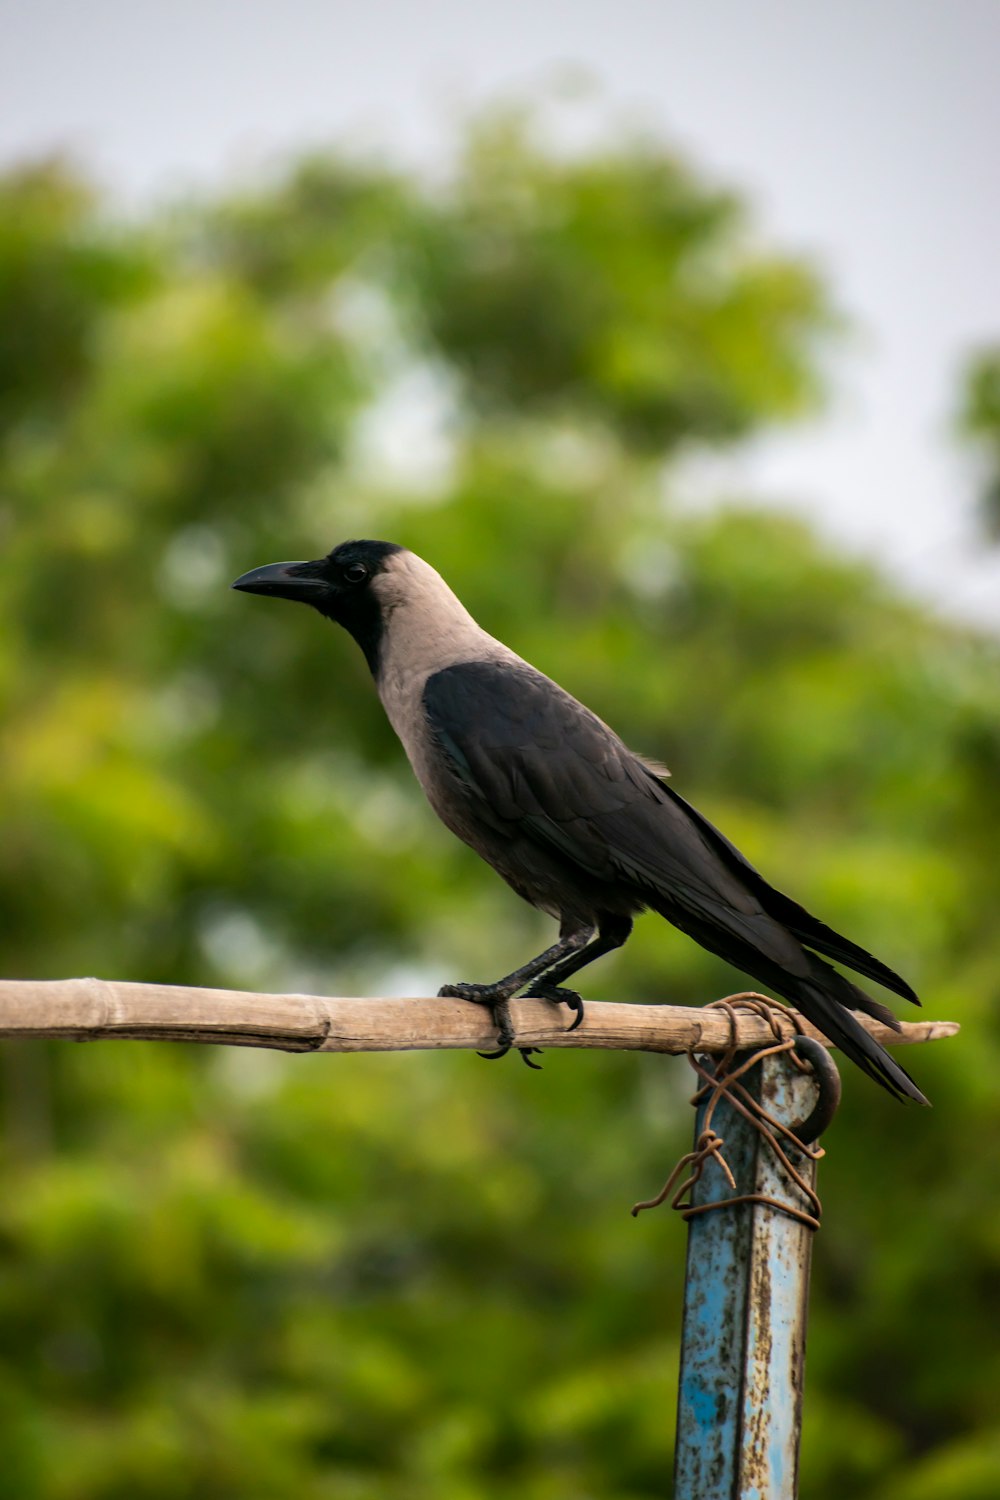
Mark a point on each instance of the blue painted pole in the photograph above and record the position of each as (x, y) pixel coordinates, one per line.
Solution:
(743, 1350)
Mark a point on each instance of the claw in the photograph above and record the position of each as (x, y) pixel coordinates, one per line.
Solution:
(525, 1056)
(559, 996)
(575, 1005)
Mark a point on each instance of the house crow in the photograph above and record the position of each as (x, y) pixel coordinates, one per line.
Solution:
(574, 821)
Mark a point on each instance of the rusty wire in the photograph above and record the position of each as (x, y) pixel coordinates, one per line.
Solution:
(725, 1081)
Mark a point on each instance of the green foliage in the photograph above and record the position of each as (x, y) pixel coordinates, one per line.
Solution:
(248, 1275)
(979, 423)
(615, 290)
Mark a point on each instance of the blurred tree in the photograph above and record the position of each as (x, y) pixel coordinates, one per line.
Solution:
(223, 1276)
(979, 422)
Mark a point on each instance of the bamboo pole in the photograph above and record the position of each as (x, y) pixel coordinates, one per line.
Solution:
(86, 1010)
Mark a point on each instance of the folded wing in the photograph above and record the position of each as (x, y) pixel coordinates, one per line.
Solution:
(534, 758)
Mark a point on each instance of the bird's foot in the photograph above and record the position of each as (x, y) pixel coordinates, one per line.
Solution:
(497, 1002)
(560, 996)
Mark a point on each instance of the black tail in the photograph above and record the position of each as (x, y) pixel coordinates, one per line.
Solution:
(691, 874)
(828, 1000)
(824, 996)
(802, 924)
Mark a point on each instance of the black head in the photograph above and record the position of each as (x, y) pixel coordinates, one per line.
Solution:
(339, 586)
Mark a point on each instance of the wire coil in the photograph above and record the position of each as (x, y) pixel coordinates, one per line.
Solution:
(724, 1080)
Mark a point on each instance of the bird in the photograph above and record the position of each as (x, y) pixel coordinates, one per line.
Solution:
(580, 826)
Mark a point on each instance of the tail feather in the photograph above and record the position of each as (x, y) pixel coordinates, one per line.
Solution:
(824, 996)
(857, 999)
(815, 934)
(818, 999)
(802, 924)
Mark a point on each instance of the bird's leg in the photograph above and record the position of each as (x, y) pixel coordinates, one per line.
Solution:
(611, 933)
(497, 995)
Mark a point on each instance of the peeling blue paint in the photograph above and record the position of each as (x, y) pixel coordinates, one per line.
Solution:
(743, 1351)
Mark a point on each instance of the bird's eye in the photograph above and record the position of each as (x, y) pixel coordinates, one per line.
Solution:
(355, 573)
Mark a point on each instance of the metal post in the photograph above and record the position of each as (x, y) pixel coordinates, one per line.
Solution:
(743, 1352)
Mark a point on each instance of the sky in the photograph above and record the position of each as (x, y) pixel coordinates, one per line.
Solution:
(865, 132)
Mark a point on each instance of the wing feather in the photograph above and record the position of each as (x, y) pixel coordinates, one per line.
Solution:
(536, 761)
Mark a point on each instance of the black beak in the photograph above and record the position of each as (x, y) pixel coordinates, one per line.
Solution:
(288, 580)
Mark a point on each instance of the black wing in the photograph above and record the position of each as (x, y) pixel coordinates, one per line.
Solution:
(534, 758)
